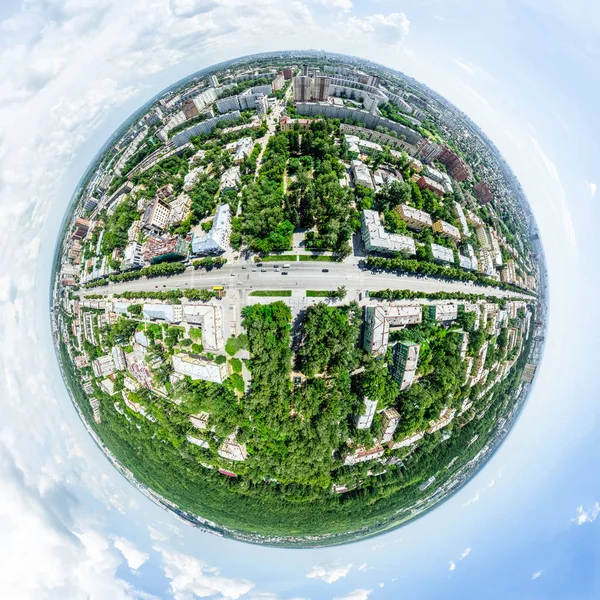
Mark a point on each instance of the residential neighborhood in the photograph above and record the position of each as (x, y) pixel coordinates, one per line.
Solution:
(298, 244)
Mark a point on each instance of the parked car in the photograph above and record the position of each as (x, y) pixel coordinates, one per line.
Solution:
(263, 270)
(284, 272)
(325, 270)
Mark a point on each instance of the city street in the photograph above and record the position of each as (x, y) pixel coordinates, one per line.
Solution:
(246, 277)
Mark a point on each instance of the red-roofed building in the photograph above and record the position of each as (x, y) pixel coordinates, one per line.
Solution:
(483, 192)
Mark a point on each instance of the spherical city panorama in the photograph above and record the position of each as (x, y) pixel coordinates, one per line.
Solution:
(299, 299)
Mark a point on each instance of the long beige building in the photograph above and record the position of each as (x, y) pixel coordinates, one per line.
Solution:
(446, 230)
(413, 217)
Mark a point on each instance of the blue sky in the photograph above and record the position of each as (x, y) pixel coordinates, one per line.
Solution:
(526, 72)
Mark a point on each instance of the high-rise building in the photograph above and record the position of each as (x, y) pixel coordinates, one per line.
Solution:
(373, 80)
(405, 357)
(157, 215)
(308, 88)
(455, 165)
(189, 108)
(365, 419)
(302, 89)
(214, 82)
(428, 151)
(90, 204)
(287, 74)
(390, 421)
(320, 88)
(278, 82)
(483, 192)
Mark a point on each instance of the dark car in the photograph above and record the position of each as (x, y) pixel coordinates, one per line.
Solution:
(284, 272)
(325, 270)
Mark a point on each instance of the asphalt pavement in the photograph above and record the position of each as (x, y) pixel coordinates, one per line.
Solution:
(246, 277)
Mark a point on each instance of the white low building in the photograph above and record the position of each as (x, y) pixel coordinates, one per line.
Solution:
(233, 450)
(377, 239)
(199, 421)
(408, 441)
(361, 174)
(199, 367)
(216, 241)
(210, 319)
(231, 179)
(442, 253)
(172, 313)
(196, 441)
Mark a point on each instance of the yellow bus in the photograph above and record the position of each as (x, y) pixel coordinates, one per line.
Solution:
(217, 288)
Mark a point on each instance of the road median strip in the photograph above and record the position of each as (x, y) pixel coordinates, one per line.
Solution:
(271, 293)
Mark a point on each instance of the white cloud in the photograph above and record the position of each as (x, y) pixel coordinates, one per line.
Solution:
(536, 574)
(585, 515)
(51, 550)
(359, 594)
(389, 29)
(340, 6)
(481, 491)
(472, 500)
(135, 558)
(556, 192)
(190, 577)
(452, 566)
(329, 573)
(593, 188)
(157, 535)
(464, 66)
(465, 553)
(473, 69)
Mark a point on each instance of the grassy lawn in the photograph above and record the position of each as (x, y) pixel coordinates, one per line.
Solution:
(319, 293)
(277, 258)
(320, 258)
(271, 293)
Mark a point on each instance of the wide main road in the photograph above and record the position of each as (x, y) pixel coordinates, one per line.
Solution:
(247, 277)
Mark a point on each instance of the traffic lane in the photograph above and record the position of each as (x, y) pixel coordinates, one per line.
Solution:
(309, 279)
